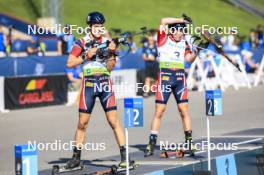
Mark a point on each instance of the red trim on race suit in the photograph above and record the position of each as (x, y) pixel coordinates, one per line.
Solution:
(111, 100)
(161, 38)
(79, 46)
(159, 95)
(184, 94)
(82, 102)
(76, 51)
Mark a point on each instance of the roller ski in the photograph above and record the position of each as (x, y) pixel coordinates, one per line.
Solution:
(187, 150)
(56, 169)
(122, 167)
(116, 169)
(123, 164)
(74, 164)
(179, 153)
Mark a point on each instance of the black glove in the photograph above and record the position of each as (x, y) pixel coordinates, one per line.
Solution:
(187, 18)
(203, 44)
(199, 43)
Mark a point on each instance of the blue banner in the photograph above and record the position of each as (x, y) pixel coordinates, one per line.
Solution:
(133, 61)
(20, 25)
(32, 65)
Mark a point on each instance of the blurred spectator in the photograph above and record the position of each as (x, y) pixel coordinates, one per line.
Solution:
(231, 43)
(208, 65)
(132, 44)
(66, 41)
(236, 42)
(144, 39)
(75, 78)
(42, 48)
(9, 40)
(36, 47)
(243, 43)
(144, 42)
(259, 31)
(2, 43)
(251, 66)
(150, 54)
(253, 38)
(32, 48)
(153, 32)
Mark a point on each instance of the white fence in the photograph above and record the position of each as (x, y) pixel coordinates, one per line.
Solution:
(225, 74)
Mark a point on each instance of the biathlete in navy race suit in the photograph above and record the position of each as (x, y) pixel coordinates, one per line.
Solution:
(96, 72)
(173, 50)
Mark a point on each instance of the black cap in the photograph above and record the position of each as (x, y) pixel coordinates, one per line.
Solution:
(177, 25)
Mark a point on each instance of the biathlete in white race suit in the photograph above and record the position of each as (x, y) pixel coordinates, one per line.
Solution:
(173, 51)
(96, 72)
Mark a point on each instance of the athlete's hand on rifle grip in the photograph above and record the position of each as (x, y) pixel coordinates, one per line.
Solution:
(112, 46)
(91, 52)
(151, 57)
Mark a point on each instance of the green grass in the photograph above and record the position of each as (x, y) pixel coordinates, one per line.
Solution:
(133, 14)
(20, 9)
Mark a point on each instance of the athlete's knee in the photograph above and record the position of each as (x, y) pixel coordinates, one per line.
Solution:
(160, 111)
(113, 124)
(183, 112)
(82, 125)
(112, 120)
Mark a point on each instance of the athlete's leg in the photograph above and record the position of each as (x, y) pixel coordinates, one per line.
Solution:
(81, 128)
(108, 102)
(86, 104)
(187, 127)
(159, 111)
(79, 140)
(162, 96)
(186, 121)
(181, 95)
(155, 126)
(115, 124)
(184, 113)
(87, 101)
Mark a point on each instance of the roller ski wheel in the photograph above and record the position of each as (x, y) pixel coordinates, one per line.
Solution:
(56, 169)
